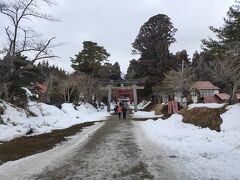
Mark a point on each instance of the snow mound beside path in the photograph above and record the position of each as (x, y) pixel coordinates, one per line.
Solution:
(201, 153)
(18, 122)
(231, 119)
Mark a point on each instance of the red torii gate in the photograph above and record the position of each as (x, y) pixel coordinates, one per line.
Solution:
(123, 89)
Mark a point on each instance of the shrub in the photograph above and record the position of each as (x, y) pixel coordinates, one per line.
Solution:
(1, 113)
(1, 120)
(20, 98)
(1, 110)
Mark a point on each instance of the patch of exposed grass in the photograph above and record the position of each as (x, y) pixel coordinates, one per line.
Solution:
(26, 146)
(204, 117)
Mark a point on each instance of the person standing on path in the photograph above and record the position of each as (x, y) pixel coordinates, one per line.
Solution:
(119, 110)
(124, 110)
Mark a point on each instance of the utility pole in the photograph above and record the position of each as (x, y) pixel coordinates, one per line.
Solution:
(182, 65)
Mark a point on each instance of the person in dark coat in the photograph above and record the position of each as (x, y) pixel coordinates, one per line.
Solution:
(124, 111)
(116, 109)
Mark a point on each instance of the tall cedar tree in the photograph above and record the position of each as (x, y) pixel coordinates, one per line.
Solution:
(152, 42)
(90, 59)
(155, 37)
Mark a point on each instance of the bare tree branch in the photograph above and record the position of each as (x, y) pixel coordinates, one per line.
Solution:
(10, 39)
(45, 57)
(25, 8)
(42, 50)
(226, 72)
(21, 39)
(18, 10)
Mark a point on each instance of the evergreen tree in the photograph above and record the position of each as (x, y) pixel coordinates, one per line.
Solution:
(227, 36)
(200, 64)
(152, 42)
(195, 59)
(132, 69)
(178, 61)
(155, 37)
(116, 72)
(109, 71)
(90, 59)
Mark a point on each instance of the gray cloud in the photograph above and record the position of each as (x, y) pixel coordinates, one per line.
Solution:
(114, 24)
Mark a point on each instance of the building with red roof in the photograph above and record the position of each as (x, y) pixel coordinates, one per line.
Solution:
(205, 88)
(209, 93)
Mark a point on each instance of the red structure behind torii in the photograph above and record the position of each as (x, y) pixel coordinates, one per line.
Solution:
(123, 93)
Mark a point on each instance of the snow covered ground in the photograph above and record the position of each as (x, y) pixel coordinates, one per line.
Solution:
(207, 105)
(141, 105)
(145, 114)
(201, 153)
(26, 167)
(17, 121)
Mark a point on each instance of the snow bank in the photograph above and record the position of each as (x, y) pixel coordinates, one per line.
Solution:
(17, 121)
(8, 132)
(231, 119)
(208, 105)
(201, 153)
(141, 105)
(144, 114)
(69, 109)
(41, 109)
(86, 108)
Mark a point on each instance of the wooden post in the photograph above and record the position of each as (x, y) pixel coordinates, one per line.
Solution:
(135, 97)
(109, 97)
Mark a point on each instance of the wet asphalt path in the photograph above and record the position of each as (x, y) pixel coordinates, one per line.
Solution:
(113, 152)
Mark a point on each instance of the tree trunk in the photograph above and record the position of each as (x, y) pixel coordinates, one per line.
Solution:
(232, 96)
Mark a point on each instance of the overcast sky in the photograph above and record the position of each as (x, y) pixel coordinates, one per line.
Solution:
(115, 24)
